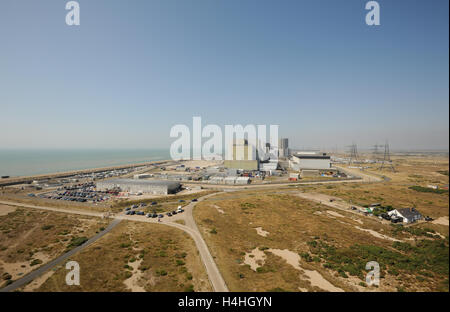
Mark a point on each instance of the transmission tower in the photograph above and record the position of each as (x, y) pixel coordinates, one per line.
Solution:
(387, 162)
(376, 154)
(353, 154)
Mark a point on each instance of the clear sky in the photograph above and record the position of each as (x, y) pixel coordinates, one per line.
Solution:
(133, 69)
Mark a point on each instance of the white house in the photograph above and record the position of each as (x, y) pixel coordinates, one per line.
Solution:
(409, 215)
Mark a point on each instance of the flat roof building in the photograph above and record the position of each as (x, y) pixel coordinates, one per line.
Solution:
(321, 162)
(156, 187)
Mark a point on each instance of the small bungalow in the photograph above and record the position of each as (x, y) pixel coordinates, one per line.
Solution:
(409, 215)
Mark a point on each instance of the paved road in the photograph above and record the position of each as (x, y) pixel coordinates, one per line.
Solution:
(190, 227)
(36, 273)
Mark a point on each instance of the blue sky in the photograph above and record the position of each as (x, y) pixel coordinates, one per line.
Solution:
(133, 69)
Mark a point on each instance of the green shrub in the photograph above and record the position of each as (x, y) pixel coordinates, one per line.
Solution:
(77, 241)
(35, 262)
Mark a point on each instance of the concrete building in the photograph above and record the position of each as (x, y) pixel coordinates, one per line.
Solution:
(216, 180)
(230, 180)
(243, 156)
(242, 180)
(283, 147)
(315, 162)
(156, 187)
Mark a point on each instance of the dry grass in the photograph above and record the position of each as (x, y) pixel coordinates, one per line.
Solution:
(168, 259)
(291, 222)
(29, 238)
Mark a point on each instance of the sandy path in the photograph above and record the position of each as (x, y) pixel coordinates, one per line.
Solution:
(378, 235)
(334, 213)
(441, 221)
(315, 278)
(5, 209)
(254, 259)
(219, 209)
(261, 232)
(132, 283)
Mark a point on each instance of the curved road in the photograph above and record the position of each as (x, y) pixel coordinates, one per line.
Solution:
(216, 279)
(190, 227)
(49, 265)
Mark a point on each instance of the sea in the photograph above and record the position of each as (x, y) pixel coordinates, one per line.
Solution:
(26, 162)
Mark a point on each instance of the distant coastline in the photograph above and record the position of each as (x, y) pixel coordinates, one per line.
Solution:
(31, 162)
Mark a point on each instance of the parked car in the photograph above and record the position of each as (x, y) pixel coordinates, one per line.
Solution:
(154, 203)
(427, 218)
(194, 200)
(385, 216)
(181, 200)
(160, 216)
(154, 215)
(134, 206)
(132, 212)
(127, 209)
(140, 213)
(174, 212)
(396, 220)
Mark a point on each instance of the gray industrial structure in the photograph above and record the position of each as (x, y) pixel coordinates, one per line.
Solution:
(320, 162)
(156, 187)
(283, 147)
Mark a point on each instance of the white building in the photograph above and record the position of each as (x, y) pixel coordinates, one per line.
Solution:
(317, 162)
(155, 187)
(409, 215)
